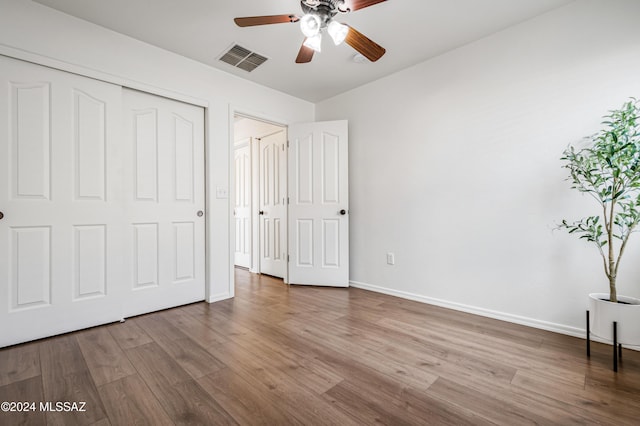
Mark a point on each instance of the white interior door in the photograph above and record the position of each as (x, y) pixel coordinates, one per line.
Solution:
(164, 198)
(273, 208)
(242, 207)
(319, 204)
(60, 194)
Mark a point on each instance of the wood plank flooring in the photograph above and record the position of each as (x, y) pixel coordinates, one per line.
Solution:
(312, 356)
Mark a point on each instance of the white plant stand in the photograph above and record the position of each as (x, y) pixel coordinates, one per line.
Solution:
(615, 322)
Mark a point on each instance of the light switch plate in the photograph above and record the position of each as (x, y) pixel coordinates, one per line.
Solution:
(222, 192)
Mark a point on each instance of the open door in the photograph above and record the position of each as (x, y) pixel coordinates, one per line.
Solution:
(273, 207)
(242, 206)
(319, 204)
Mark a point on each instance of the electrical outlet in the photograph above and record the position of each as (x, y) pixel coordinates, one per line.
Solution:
(391, 259)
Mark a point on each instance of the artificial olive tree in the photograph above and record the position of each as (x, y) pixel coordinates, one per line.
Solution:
(608, 169)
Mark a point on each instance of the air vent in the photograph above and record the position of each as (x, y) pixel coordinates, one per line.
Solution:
(242, 58)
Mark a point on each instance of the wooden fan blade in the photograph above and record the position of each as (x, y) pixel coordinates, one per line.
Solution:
(305, 54)
(367, 47)
(251, 21)
(354, 5)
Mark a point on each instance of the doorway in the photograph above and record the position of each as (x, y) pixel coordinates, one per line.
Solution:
(259, 192)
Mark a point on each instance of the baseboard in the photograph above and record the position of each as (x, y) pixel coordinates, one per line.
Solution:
(517, 319)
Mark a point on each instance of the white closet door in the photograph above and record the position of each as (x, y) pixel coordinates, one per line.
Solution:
(164, 197)
(319, 204)
(60, 178)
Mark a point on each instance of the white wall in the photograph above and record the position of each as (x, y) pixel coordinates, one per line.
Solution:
(29, 28)
(454, 167)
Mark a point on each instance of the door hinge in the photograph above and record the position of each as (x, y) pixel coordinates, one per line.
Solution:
(287, 258)
(288, 202)
(287, 144)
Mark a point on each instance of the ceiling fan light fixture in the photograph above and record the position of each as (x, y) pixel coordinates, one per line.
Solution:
(338, 32)
(314, 42)
(310, 25)
(317, 16)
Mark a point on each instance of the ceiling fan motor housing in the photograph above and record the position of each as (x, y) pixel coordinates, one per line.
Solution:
(324, 9)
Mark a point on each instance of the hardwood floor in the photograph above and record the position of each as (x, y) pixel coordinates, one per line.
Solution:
(306, 355)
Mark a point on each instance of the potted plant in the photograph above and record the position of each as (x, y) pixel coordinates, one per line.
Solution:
(608, 169)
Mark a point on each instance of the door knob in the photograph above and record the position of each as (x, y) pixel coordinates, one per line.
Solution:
(200, 213)
(1, 215)
(261, 212)
(343, 212)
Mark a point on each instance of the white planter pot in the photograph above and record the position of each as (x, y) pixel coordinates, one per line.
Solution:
(602, 314)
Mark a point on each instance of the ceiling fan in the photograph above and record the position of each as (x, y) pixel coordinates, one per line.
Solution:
(318, 16)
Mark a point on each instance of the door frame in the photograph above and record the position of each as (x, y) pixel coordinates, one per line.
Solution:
(253, 115)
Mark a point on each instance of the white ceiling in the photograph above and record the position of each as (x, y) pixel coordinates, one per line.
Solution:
(412, 31)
